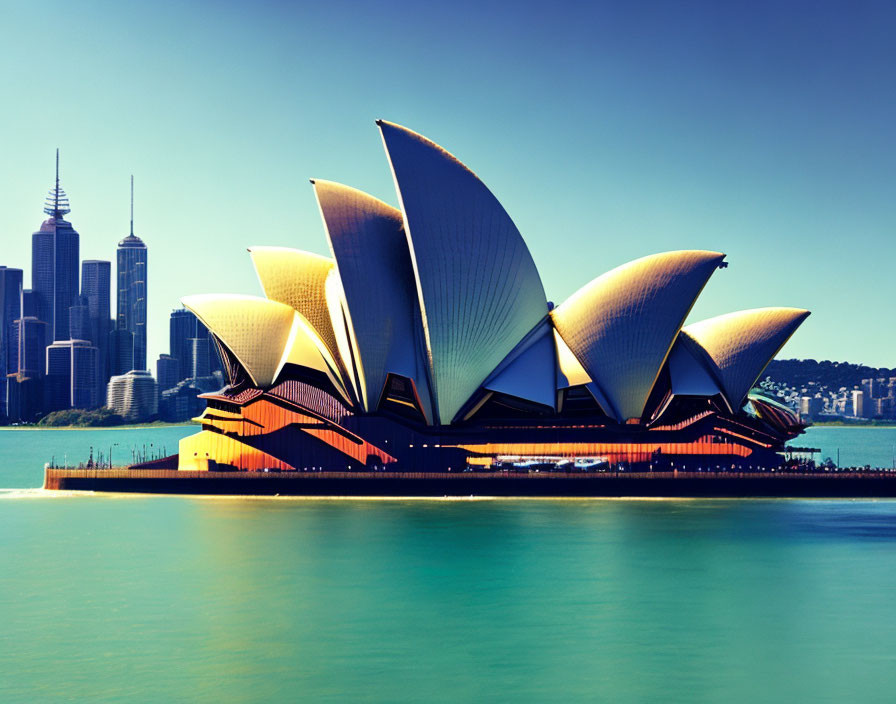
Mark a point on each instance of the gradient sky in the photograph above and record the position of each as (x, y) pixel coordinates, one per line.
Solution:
(765, 130)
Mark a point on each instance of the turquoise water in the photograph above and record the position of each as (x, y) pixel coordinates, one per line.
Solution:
(23, 452)
(858, 446)
(149, 599)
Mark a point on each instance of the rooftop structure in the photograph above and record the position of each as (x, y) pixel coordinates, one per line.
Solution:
(54, 263)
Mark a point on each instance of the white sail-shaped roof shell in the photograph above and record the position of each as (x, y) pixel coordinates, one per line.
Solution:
(622, 325)
(478, 287)
(305, 349)
(740, 345)
(256, 330)
(374, 265)
(298, 279)
(338, 310)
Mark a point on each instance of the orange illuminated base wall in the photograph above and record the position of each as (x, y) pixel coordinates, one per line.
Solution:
(264, 434)
(260, 431)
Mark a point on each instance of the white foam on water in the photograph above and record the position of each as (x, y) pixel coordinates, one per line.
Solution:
(38, 493)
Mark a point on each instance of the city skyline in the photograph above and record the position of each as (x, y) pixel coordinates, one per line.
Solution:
(59, 344)
(707, 147)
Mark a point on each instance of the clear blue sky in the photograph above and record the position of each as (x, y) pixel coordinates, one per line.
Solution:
(766, 130)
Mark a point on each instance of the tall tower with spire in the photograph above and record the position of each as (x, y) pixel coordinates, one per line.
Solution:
(132, 290)
(54, 263)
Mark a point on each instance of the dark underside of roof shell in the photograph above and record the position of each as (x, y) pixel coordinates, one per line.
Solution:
(399, 400)
(311, 390)
(702, 437)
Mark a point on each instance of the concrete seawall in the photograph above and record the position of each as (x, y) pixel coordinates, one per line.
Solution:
(681, 484)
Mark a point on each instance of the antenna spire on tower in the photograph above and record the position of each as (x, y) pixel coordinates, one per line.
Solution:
(132, 205)
(57, 203)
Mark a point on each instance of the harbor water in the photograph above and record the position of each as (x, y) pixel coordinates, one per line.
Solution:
(155, 598)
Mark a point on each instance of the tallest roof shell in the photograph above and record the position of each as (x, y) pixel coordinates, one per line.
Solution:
(478, 287)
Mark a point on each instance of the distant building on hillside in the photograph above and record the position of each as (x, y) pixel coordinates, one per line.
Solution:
(882, 408)
(858, 403)
(811, 407)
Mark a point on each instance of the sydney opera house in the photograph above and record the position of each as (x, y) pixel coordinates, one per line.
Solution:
(426, 343)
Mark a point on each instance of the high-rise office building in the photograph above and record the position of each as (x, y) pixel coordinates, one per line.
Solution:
(95, 287)
(183, 401)
(27, 362)
(54, 263)
(184, 327)
(121, 351)
(71, 375)
(29, 303)
(10, 304)
(79, 320)
(29, 342)
(181, 328)
(167, 370)
(199, 356)
(24, 398)
(132, 290)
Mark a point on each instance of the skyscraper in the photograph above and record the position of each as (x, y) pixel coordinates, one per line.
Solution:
(132, 289)
(121, 351)
(29, 341)
(25, 384)
(184, 328)
(181, 328)
(167, 370)
(29, 303)
(199, 354)
(10, 302)
(95, 287)
(71, 375)
(79, 320)
(54, 263)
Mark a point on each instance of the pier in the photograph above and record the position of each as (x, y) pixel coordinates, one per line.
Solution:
(857, 484)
